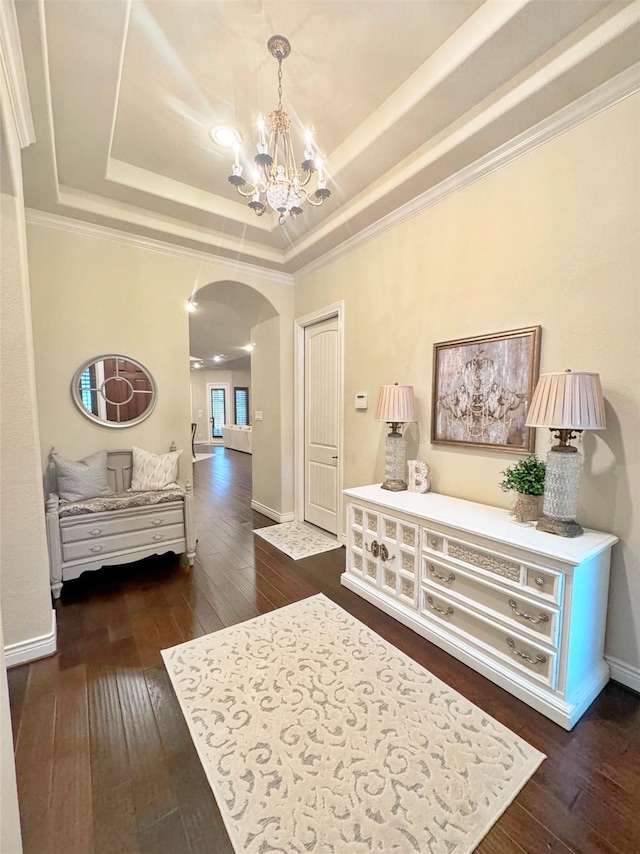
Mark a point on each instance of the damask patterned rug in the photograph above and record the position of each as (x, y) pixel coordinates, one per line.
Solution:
(296, 539)
(317, 735)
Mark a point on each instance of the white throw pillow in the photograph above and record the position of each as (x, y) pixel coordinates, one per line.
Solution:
(82, 479)
(154, 471)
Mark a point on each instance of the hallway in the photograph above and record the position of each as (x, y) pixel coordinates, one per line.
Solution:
(104, 759)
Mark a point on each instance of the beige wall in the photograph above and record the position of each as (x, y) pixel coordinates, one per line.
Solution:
(26, 600)
(552, 239)
(92, 295)
(10, 835)
(267, 393)
(199, 401)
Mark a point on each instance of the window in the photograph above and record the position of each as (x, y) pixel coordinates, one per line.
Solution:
(241, 402)
(88, 394)
(218, 412)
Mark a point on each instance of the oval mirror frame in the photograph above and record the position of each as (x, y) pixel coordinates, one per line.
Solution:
(112, 390)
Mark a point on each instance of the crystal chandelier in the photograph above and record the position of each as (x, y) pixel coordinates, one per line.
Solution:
(277, 180)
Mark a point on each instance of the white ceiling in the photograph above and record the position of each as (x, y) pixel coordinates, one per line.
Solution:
(402, 94)
(220, 325)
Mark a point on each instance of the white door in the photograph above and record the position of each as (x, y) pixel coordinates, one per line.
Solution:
(321, 424)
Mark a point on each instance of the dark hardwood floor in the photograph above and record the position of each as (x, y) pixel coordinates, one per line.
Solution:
(104, 759)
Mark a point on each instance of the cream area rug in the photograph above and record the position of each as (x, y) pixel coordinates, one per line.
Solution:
(296, 539)
(199, 457)
(316, 735)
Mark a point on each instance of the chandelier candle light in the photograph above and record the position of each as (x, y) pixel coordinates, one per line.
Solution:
(397, 406)
(277, 180)
(567, 403)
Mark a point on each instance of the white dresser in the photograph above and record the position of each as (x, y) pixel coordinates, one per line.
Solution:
(524, 608)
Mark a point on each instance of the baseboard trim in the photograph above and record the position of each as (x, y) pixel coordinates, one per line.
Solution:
(625, 674)
(272, 514)
(33, 648)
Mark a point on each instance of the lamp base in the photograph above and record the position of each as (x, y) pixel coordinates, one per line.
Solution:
(561, 527)
(394, 485)
(395, 465)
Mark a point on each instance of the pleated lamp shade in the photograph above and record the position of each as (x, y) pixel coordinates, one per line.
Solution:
(396, 404)
(571, 400)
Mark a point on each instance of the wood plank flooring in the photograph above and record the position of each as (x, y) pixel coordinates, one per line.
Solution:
(105, 763)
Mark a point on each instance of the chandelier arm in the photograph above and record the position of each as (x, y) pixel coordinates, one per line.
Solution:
(304, 181)
(248, 192)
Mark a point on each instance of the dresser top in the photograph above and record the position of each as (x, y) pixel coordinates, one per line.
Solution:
(492, 522)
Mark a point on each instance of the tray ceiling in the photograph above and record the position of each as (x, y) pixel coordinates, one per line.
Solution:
(402, 96)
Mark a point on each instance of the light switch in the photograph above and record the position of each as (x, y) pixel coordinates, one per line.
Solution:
(257, 416)
(362, 400)
(199, 413)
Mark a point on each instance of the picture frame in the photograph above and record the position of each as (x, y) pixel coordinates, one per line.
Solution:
(482, 388)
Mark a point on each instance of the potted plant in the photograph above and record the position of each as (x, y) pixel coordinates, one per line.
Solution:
(526, 477)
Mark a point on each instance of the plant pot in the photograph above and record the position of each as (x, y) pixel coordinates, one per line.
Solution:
(526, 508)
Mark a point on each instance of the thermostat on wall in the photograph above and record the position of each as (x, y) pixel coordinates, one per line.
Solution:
(362, 401)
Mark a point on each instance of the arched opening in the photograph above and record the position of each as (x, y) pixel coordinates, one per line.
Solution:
(236, 374)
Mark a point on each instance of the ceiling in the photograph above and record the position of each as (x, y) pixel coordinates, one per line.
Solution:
(219, 328)
(402, 94)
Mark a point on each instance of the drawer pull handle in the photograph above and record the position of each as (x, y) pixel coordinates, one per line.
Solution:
(540, 582)
(539, 659)
(96, 549)
(374, 548)
(156, 521)
(158, 537)
(384, 553)
(541, 618)
(446, 578)
(446, 611)
(95, 532)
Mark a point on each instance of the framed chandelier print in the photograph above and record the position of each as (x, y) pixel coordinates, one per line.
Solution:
(482, 388)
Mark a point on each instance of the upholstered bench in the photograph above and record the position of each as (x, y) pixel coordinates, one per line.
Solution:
(119, 528)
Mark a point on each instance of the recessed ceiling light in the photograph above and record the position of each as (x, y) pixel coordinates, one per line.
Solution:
(192, 306)
(249, 347)
(226, 136)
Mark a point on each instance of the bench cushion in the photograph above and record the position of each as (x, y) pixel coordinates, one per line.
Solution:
(121, 501)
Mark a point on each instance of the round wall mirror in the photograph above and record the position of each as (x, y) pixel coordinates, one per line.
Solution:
(114, 390)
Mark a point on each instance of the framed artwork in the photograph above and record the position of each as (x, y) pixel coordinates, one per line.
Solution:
(482, 388)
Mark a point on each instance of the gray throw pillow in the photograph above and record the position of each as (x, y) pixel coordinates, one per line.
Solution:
(80, 479)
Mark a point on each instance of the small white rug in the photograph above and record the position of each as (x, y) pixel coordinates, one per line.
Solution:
(296, 539)
(317, 735)
(199, 457)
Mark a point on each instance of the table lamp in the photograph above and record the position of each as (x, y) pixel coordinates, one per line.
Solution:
(567, 403)
(397, 406)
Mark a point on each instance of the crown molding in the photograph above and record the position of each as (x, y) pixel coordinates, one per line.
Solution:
(13, 70)
(50, 220)
(622, 86)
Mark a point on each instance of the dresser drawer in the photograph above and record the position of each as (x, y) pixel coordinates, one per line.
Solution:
(91, 528)
(505, 602)
(541, 581)
(518, 653)
(94, 548)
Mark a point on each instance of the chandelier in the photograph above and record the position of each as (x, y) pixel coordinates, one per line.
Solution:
(277, 180)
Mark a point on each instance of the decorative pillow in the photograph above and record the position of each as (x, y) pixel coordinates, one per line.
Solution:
(154, 471)
(80, 479)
